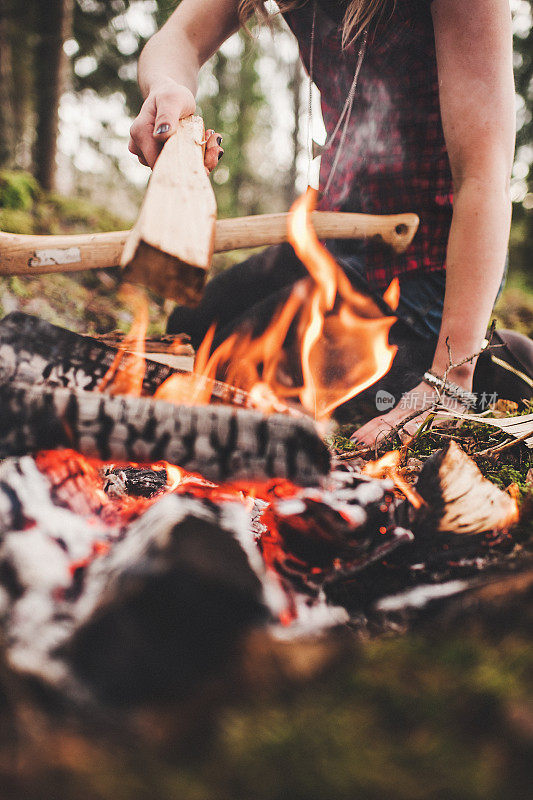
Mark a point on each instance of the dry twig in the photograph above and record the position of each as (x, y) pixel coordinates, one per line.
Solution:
(496, 449)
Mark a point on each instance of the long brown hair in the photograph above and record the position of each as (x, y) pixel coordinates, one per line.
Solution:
(359, 14)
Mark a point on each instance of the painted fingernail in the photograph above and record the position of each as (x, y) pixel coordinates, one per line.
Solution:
(219, 140)
(164, 128)
(220, 154)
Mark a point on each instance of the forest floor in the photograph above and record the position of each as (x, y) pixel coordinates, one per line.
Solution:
(437, 715)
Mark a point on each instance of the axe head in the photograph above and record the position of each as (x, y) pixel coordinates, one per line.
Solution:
(170, 247)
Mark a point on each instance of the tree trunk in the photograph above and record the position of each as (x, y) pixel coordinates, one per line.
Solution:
(7, 128)
(295, 88)
(23, 76)
(54, 24)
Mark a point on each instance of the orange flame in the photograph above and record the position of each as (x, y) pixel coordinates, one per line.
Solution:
(319, 262)
(126, 373)
(387, 467)
(324, 345)
(343, 339)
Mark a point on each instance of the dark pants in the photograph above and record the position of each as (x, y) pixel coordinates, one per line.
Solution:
(247, 294)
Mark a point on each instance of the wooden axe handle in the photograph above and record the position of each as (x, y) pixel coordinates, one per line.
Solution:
(23, 254)
(395, 230)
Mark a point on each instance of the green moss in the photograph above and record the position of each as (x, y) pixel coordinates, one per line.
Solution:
(25, 208)
(16, 221)
(76, 211)
(18, 190)
(412, 718)
(19, 287)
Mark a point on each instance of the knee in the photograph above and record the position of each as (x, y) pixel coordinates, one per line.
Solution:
(185, 320)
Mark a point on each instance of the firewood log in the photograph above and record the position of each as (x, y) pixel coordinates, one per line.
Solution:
(161, 609)
(459, 499)
(220, 442)
(35, 351)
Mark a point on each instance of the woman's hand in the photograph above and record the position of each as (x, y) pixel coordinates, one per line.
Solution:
(166, 104)
(422, 398)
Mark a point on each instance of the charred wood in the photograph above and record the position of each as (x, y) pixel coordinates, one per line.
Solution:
(159, 609)
(35, 351)
(323, 537)
(135, 481)
(350, 542)
(220, 442)
(132, 612)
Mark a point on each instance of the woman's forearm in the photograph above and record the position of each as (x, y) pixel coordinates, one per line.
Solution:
(168, 55)
(190, 36)
(168, 74)
(477, 249)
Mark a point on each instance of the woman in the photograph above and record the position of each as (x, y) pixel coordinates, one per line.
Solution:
(431, 131)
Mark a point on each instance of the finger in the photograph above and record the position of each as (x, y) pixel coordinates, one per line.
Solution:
(149, 148)
(171, 106)
(213, 150)
(132, 147)
(371, 431)
(141, 133)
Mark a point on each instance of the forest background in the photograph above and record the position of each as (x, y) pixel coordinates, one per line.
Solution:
(68, 93)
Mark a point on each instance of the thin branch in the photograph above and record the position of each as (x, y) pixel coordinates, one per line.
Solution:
(440, 393)
(451, 365)
(499, 448)
(397, 428)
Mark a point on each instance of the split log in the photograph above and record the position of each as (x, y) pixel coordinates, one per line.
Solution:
(171, 244)
(35, 351)
(168, 343)
(459, 499)
(220, 442)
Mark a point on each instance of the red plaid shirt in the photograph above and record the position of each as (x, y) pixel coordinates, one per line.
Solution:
(394, 157)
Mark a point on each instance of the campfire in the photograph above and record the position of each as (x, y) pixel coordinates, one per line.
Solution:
(149, 515)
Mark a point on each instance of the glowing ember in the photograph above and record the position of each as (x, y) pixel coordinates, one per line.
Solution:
(175, 475)
(83, 485)
(387, 467)
(383, 466)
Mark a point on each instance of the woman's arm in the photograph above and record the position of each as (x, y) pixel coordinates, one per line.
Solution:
(474, 56)
(168, 71)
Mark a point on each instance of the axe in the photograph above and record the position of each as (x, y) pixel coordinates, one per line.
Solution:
(170, 247)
